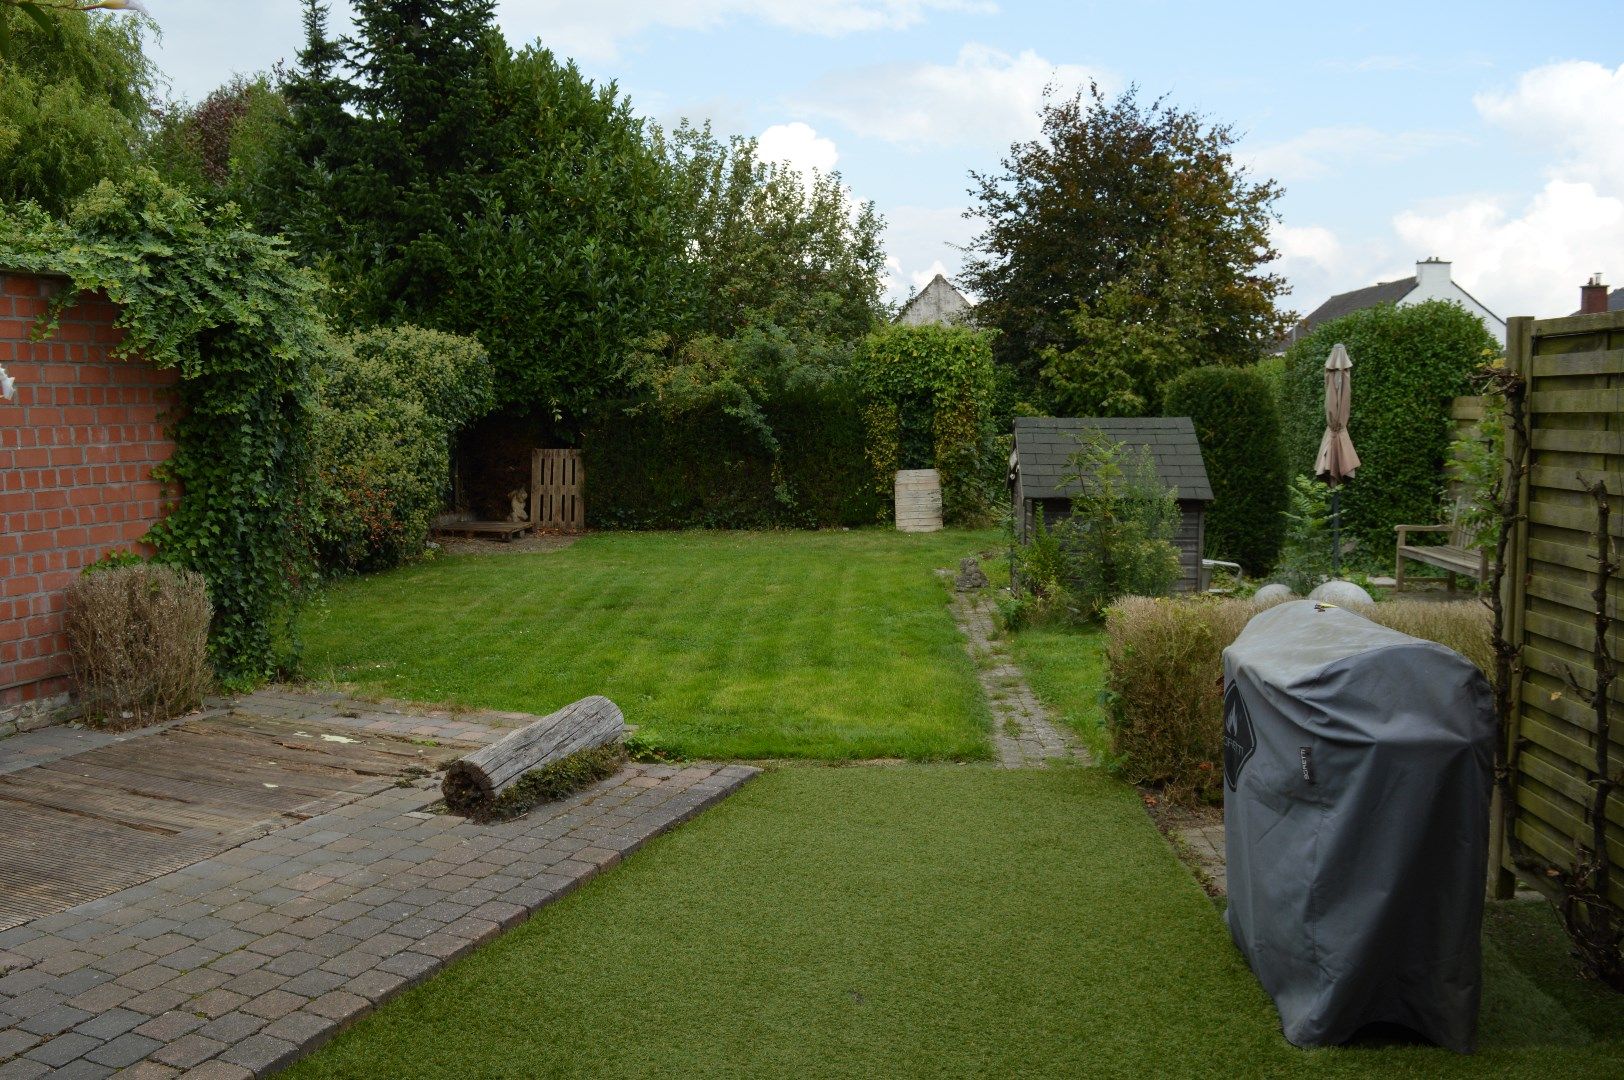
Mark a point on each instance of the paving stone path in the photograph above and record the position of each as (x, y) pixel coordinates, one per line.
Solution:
(239, 964)
(1022, 733)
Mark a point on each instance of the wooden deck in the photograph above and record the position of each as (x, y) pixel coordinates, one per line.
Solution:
(88, 824)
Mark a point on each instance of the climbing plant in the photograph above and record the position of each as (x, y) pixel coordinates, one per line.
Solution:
(931, 391)
(225, 307)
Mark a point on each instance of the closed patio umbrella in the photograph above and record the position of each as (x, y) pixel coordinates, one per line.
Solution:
(1337, 459)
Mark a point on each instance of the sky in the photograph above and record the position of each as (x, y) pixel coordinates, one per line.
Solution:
(1487, 134)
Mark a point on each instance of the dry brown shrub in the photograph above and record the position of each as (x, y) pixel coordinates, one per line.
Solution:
(1165, 679)
(138, 636)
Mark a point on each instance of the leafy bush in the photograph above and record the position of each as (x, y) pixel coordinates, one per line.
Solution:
(138, 635)
(1408, 364)
(1119, 536)
(1477, 462)
(931, 391)
(388, 402)
(1238, 423)
(1042, 570)
(1305, 558)
(1165, 683)
(710, 468)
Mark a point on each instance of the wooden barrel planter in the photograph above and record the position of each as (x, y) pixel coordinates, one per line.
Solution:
(918, 500)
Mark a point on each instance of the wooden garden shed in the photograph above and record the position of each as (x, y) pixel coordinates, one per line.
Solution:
(1043, 449)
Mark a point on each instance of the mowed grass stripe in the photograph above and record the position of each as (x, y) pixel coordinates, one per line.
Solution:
(833, 645)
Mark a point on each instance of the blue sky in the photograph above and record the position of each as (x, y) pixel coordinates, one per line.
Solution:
(1488, 134)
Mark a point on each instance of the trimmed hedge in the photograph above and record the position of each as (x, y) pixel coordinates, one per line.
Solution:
(707, 469)
(1238, 424)
(1408, 363)
(387, 404)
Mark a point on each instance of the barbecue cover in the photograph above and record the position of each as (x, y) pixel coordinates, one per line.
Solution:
(1357, 769)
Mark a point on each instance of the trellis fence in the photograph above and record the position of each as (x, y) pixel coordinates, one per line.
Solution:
(1573, 437)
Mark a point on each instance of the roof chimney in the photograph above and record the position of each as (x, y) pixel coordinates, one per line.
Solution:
(1592, 296)
(1432, 275)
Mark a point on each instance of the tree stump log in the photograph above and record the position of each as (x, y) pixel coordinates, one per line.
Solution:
(474, 783)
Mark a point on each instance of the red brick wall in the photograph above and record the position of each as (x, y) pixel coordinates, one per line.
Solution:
(77, 448)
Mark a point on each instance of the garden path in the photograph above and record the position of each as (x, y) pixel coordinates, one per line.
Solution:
(1022, 734)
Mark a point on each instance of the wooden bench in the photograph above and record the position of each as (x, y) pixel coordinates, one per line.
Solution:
(1456, 555)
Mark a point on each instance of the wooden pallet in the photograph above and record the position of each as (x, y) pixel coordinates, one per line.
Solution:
(504, 530)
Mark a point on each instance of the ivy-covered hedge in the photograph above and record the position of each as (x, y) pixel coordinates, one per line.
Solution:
(708, 468)
(388, 403)
(1408, 363)
(1238, 424)
(200, 292)
(930, 394)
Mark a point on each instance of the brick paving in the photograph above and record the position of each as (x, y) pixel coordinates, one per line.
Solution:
(1023, 735)
(239, 964)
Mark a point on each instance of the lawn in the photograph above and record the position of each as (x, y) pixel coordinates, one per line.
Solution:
(830, 645)
(1066, 669)
(921, 921)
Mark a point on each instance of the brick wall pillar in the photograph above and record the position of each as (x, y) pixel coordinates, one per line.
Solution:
(78, 446)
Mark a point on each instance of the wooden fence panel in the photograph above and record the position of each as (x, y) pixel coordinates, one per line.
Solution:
(555, 490)
(1575, 435)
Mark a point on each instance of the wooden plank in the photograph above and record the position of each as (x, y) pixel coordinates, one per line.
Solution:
(1606, 402)
(1580, 440)
(1604, 362)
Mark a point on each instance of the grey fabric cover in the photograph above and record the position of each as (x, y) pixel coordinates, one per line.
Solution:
(1357, 768)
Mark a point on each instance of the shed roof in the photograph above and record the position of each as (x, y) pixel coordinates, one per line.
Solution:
(1044, 445)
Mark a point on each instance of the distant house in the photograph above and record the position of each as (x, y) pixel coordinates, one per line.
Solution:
(1432, 281)
(1043, 449)
(937, 304)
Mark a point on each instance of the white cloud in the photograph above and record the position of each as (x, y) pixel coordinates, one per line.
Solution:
(1518, 255)
(1528, 260)
(1323, 151)
(921, 242)
(799, 146)
(1530, 257)
(598, 29)
(985, 97)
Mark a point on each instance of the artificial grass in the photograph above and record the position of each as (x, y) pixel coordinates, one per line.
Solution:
(1066, 670)
(720, 645)
(921, 921)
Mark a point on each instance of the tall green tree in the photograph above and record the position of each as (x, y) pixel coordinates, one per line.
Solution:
(1121, 246)
(765, 244)
(440, 177)
(76, 93)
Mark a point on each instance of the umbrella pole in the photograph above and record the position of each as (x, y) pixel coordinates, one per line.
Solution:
(1336, 531)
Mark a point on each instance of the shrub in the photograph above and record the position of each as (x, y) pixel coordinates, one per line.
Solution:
(1305, 559)
(1119, 536)
(138, 637)
(1408, 363)
(1238, 423)
(1165, 680)
(387, 404)
(1042, 569)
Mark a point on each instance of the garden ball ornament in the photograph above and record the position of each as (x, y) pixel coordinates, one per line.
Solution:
(1341, 594)
(1274, 592)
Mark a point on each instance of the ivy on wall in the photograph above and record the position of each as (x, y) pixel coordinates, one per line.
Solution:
(931, 391)
(201, 293)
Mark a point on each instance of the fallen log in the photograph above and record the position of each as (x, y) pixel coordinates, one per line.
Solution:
(477, 784)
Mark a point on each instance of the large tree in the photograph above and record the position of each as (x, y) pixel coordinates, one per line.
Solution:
(768, 245)
(75, 96)
(1122, 246)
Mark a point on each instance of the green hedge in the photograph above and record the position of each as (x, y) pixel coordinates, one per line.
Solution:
(387, 404)
(1238, 424)
(1408, 363)
(705, 468)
